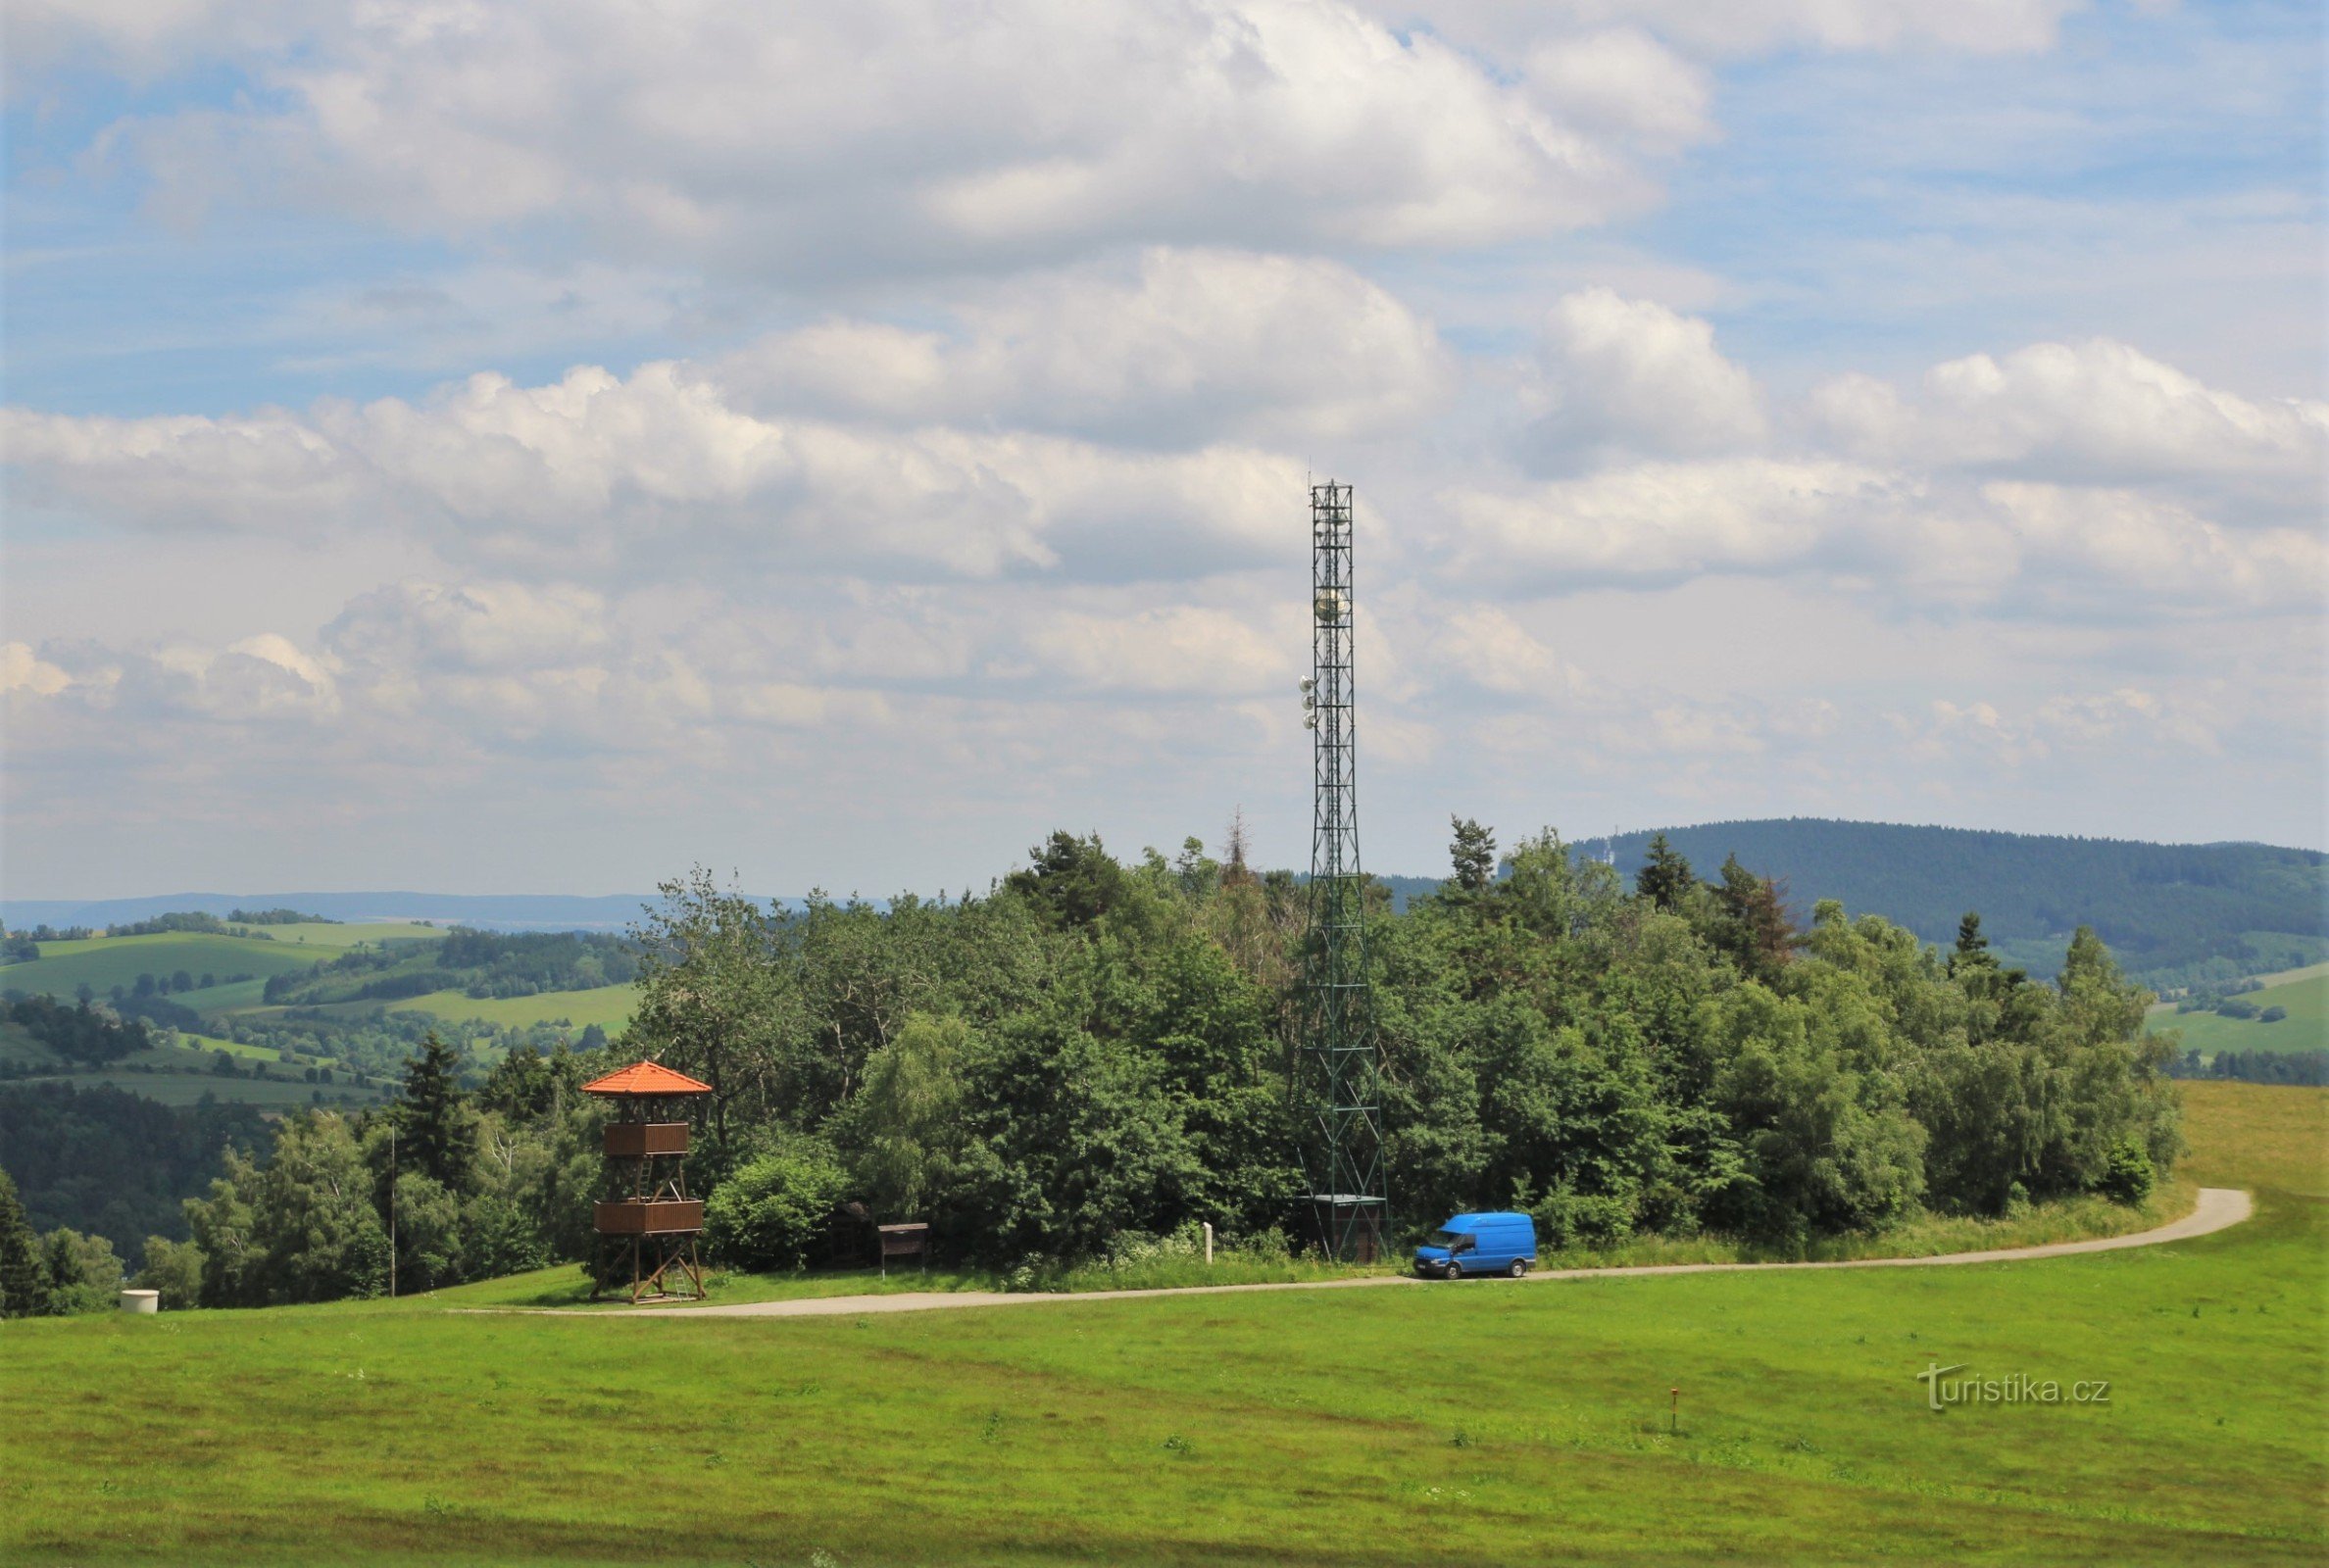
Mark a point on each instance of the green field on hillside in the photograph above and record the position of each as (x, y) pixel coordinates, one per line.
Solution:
(2304, 992)
(102, 963)
(609, 1006)
(1483, 1422)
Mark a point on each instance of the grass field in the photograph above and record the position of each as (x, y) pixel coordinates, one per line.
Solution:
(1472, 1423)
(2303, 992)
(102, 963)
(609, 1006)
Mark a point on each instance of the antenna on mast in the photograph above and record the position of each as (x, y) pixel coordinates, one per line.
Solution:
(1344, 1162)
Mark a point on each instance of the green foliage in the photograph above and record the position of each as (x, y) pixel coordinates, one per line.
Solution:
(1471, 854)
(2130, 1175)
(24, 1270)
(1098, 1053)
(434, 1135)
(2173, 912)
(1073, 883)
(905, 1128)
(85, 1275)
(1665, 878)
(482, 964)
(78, 1033)
(114, 1163)
(174, 1270)
(302, 1227)
(776, 1211)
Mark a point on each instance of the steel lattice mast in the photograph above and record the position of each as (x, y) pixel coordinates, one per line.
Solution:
(1345, 1160)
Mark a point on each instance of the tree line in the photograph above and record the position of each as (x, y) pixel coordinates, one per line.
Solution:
(478, 963)
(1095, 1052)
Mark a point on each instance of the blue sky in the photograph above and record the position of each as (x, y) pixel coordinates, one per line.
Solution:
(540, 448)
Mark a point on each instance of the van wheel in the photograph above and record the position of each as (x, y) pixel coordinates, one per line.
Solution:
(1455, 1270)
(1519, 1269)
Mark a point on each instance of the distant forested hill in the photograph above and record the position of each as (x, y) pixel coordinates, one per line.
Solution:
(2172, 913)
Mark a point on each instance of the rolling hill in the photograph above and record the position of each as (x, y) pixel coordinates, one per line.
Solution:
(2172, 913)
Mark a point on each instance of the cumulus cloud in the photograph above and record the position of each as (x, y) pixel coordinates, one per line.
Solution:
(815, 142)
(659, 473)
(1633, 374)
(1621, 82)
(2005, 547)
(1191, 346)
(1740, 26)
(2098, 410)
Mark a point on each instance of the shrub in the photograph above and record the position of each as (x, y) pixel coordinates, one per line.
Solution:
(2130, 1177)
(773, 1211)
(2272, 1015)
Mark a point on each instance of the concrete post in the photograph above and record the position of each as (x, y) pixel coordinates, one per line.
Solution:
(141, 1301)
(1209, 1244)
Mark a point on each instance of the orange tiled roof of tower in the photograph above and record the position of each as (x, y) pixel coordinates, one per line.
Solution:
(646, 1078)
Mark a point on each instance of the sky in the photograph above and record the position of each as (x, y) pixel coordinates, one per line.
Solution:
(543, 445)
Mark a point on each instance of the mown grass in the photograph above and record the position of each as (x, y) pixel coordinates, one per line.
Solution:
(1495, 1423)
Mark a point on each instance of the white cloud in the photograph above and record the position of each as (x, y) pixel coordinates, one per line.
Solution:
(1485, 646)
(2098, 410)
(1194, 345)
(2008, 547)
(659, 473)
(1741, 27)
(1656, 523)
(1624, 83)
(816, 142)
(1634, 373)
(21, 669)
(1182, 648)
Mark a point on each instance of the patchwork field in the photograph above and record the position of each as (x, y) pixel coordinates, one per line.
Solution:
(104, 963)
(1472, 1423)
(2304, 992)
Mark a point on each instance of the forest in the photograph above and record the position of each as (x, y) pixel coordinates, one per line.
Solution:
(2173, 913)
(1097, 1052)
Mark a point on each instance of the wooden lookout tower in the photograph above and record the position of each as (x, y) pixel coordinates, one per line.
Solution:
(651, 1218)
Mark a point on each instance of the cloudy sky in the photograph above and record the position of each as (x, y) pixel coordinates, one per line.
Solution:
(538, 444)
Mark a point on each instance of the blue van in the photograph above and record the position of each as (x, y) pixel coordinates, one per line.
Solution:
(1479, 1244)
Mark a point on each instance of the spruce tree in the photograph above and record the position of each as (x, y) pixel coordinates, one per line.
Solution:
(433, 1122)
(1972, 948)
(1665, 878)
(24, 1276)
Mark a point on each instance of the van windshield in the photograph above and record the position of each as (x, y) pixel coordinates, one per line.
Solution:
(1453, 1241)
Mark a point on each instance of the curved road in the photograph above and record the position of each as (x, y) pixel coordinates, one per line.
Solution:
(2220, 1207)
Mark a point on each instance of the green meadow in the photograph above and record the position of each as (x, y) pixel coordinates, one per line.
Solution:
(102, 963)
(609, 1006)
(2304, 992)
(1479, 1422)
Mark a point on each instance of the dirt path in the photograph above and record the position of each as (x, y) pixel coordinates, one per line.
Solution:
(2218, 1208)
